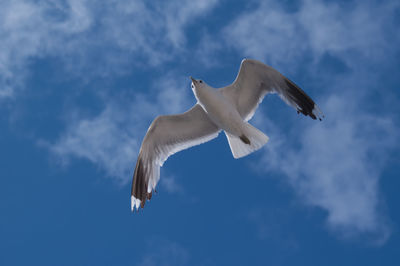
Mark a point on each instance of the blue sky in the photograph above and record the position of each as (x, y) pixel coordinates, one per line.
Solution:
(80, 82)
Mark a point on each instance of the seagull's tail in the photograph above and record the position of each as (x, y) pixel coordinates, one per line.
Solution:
(251, 140)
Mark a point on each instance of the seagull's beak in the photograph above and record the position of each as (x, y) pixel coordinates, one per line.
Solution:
(193, 80)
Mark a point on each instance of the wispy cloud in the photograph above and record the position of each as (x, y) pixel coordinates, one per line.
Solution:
(78, 32)
(31, 30)
(336, 165)
(281, 36)
(111, 140)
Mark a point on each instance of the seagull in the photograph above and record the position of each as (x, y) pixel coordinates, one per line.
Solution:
(228, 109)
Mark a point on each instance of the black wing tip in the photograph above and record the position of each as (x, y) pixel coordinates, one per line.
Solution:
(305, 104)
(139, 193)
(315, 113)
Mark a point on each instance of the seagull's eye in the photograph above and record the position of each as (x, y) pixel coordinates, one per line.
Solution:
(192, 86)
(201, 81)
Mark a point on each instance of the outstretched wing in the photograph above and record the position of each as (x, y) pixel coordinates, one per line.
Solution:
(255, 80)
(166, 136)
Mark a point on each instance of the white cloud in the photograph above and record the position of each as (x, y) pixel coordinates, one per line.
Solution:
(111, 140)
(116, 34)
(266, 32)
(336, 165)
(103, 140)
(29, 31)
(282, 37)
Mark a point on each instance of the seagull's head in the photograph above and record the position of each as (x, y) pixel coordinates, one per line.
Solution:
(197, 83)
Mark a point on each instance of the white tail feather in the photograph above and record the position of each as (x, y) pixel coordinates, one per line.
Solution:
(239, 148)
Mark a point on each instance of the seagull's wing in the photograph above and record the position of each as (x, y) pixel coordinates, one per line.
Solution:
(255, 80)
(166, 136)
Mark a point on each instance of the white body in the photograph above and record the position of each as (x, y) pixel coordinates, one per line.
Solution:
(219, 109)
(243, 138)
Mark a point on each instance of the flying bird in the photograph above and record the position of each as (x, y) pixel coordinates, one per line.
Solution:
(228, 109)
